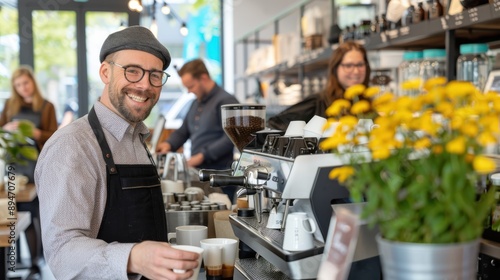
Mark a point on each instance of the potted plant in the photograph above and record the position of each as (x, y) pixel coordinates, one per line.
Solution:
(16, 147)
(417, 170)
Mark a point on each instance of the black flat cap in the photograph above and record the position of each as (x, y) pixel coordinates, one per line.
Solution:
(135, 38)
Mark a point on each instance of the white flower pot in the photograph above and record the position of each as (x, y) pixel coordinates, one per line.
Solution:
(416, 261)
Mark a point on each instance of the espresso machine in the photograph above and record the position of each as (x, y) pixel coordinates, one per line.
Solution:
(291, 171)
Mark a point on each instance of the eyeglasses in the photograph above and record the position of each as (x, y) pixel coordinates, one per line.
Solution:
(350, 66)
(134, 74)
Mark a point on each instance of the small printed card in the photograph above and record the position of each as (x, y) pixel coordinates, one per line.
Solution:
(340, 245)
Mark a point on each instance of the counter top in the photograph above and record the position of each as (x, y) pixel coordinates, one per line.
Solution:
(490, 248)
(20, 224)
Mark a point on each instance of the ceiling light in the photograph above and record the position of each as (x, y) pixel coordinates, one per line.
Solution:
(165, 9)
(184, 30)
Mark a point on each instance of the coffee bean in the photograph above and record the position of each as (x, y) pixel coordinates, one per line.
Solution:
(240, 129)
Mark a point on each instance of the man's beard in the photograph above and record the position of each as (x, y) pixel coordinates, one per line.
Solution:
(118, 101)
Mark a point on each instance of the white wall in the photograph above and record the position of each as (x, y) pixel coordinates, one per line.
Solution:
(249, 14)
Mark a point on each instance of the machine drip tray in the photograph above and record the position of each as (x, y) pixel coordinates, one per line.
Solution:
(257, 236)
(258, 269)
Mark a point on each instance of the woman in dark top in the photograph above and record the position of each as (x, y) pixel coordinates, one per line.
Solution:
(26, 103)
(348, 66)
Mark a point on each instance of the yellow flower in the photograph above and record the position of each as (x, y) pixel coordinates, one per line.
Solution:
(422, 143)
(490, 123)
(456, 146)
(348, 122)
(459, 89)
(481, 107)
(445, 108)
(413, 84)
(403, 116)
(427, 125)
(354, 91)
(434, 82)
(337, 107)
(341, 173)
(483, 165)
(371, 92)
(334, 141)
(470, 129)
(360, 107)
(485, 139)
(380, 154)
(437, 149)
(383, 99)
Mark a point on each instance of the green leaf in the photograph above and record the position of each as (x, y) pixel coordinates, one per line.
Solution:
(29, 152)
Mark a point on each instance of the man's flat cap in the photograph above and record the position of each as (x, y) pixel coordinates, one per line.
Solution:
(135, 38)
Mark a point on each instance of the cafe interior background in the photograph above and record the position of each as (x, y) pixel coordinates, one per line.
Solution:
(242, 41)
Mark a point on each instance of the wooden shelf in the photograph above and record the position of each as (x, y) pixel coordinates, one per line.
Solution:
(478, 24)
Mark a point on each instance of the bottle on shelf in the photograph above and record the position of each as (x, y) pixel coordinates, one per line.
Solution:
(420, 13)
(436, 9)
(374, 25)
(433, 64)
(408, 16)
(383, 24)
(473, 64)
(354, 32)
(409, 73)
(346, 34)
(364, 29)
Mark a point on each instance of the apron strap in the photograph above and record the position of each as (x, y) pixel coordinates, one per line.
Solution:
(101, 139)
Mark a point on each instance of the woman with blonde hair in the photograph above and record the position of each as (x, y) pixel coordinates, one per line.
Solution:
(27, 104)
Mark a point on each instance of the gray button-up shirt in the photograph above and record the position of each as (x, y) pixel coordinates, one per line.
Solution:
(71, 183)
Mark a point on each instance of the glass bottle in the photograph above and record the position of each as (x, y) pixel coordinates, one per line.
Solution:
(433, 65)
(354, 31)
(409, 73)
(374, 25)
(420, 13)
(382, 23)
(473, 64)
(436, 10)
(408, 17)
(346, 34)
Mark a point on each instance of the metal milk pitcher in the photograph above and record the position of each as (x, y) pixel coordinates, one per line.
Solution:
(176, 169)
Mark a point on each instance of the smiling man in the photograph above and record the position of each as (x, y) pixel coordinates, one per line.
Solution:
(101, 207)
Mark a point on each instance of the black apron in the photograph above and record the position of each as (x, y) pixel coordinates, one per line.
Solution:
(134, 206)
(28, 114)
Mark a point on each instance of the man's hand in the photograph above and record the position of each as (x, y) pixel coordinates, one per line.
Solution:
(196, 160)
(163, 147)
(156, 260)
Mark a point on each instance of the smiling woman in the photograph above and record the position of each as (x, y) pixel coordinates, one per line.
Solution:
(348, 66)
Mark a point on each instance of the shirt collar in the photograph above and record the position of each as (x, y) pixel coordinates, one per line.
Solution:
(116, 125)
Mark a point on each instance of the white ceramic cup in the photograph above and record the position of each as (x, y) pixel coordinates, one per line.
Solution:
(189, 235)
(295, 128)
(315, 125)
(299, 232)
(275, 219)
(308, 133)
(195, 249)
(169, 186)
(219, 256)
